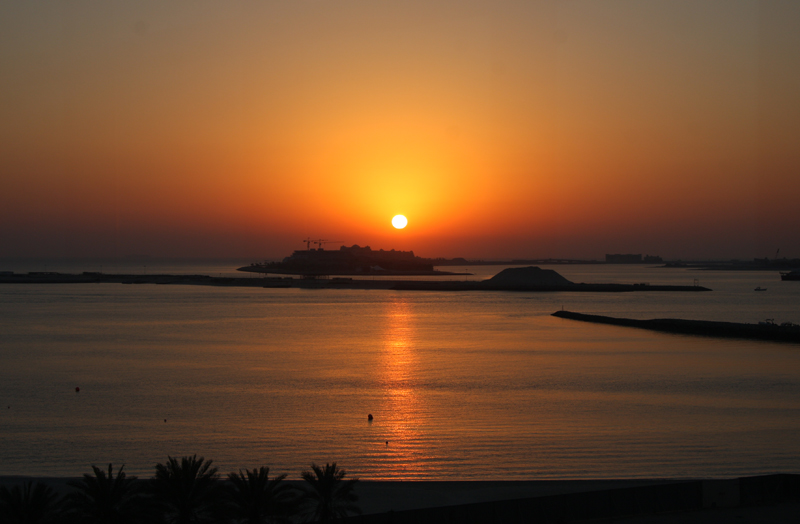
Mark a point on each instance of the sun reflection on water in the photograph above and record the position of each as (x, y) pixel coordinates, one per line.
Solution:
(402, 407)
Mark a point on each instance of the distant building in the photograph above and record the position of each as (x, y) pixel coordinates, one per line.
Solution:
(624, 259)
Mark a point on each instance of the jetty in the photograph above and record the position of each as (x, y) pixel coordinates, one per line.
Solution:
(786, 332)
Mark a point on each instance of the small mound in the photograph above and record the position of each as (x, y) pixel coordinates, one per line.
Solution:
(529, 276)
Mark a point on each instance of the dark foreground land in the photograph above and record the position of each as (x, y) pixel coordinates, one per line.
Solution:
(512, 279)
(769, 498)
(763, 331)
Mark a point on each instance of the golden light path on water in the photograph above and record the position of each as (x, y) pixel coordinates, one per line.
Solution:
(402, 404)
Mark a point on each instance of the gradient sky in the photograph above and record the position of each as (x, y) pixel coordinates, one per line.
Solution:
(499, 128)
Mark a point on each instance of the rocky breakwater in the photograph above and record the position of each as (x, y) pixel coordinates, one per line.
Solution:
(786, 332)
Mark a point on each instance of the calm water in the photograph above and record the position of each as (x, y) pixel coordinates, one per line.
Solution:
(462, 385)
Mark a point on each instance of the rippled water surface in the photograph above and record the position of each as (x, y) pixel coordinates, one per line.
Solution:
(464, 385)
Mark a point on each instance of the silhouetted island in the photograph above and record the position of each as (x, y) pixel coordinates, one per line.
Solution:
(354, 260)
(511, 279)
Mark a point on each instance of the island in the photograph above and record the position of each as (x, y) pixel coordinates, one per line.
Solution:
(510, 279)
(353, 261)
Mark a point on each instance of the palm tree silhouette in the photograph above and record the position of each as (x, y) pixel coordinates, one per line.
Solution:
(33, 503)
(327, 495)
(258, 500)
(189, 490)
(107, 499)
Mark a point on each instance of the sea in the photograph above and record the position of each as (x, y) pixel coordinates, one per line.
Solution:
(460, 385)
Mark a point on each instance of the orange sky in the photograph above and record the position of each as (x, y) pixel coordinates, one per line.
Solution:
(501, 129)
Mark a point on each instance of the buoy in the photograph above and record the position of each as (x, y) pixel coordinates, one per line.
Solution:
(369, 417)
(165, 420)
(77, 390)
(387, 442)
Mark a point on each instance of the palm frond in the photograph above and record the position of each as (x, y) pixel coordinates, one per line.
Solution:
(189, 490)
(30, 503)
(108, 498)
(258, 499)
(327, 495)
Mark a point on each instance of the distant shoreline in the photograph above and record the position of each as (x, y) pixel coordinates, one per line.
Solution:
(326, 283)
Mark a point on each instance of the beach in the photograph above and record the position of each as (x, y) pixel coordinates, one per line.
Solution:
(386, 496)
(382, 497)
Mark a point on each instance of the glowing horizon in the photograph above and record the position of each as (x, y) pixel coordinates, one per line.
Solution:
(504, 130)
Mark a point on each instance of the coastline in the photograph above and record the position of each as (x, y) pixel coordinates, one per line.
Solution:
(332, 283)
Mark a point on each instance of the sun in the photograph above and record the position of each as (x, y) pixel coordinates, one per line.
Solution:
(399, 221)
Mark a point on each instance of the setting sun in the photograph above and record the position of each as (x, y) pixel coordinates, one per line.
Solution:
(399, 221)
